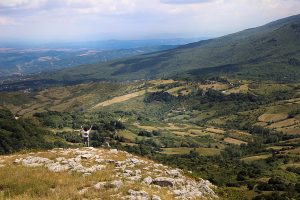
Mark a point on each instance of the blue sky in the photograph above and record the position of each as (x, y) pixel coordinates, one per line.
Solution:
(86, 20)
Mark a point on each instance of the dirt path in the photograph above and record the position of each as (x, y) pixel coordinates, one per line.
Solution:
(119, 99)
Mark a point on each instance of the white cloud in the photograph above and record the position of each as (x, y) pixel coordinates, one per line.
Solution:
(185, 1)
(88, 19)
(21, 3)
(6, 21)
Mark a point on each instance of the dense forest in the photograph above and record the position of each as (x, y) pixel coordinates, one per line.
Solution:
(23, 133)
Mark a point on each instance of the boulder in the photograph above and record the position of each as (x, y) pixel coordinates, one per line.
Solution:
(164, 181)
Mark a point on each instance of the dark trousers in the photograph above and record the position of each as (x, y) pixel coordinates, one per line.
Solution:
(86, 141)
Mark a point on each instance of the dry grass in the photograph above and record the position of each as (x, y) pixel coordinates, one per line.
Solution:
(255, 158)
(147, 128)
(272, 117)
(18, 182)
(162, 82)
(119, 99)
(290, 165)
(284, 123)
(293, 151)
(240, 89)
(26, 183)
(215, 130)
(290, 130)
(185, 150)
(127, 134)
(181, 133)
(277, 147)
(181, 90)
(239, 133)
(215, 86)
(291, 141)
(234, 141)
(262, 124)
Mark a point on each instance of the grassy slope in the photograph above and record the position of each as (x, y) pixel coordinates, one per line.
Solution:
(272, 49)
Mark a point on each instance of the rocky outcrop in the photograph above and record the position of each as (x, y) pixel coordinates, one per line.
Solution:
(125, 169)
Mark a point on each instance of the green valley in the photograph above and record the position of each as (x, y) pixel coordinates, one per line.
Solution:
(226, 110)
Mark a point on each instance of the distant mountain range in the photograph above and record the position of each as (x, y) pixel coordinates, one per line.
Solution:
(35, 60)
(271, 51)
(102, 44)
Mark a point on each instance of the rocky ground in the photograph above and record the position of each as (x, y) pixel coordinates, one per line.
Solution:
(121, 171)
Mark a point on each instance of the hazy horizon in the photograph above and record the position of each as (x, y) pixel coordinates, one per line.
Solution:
(97, 20)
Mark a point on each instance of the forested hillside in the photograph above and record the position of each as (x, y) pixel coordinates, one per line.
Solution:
(267, 52)
(22, 134)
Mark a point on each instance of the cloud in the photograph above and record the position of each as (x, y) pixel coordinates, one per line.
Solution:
(13, 4)
(185, 1)
(6, 21)
(131, 19)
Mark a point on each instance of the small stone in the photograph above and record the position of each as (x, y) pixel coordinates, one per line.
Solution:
(138, 195)
(116, 183)
(86, 156)
(174, 173)
(87, 174)
(134, 178)
(100, 185)
(113, 151)
(148, 180)
(82, 191)
(60, 159)
(155, 197)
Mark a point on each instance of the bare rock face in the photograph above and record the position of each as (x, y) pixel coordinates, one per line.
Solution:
(125, 170)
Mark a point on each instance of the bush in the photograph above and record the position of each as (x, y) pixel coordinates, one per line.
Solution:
(70, 137)
(145, 134)
(158, 96)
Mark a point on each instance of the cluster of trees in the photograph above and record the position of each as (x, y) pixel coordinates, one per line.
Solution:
(276, 184)
(74, 120)
(148, 134)
(158, 96)
(24, 133)
(70, 137)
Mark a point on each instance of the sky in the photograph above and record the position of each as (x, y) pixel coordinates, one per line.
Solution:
(89, 20)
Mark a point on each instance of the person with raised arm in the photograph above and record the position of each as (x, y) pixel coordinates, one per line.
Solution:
(86, 135)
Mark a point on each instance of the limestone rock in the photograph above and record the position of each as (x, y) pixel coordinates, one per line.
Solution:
(116, 184)
(100, 185)
(155, 197)
(137, 195)
(148, 180)
(164, 181)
